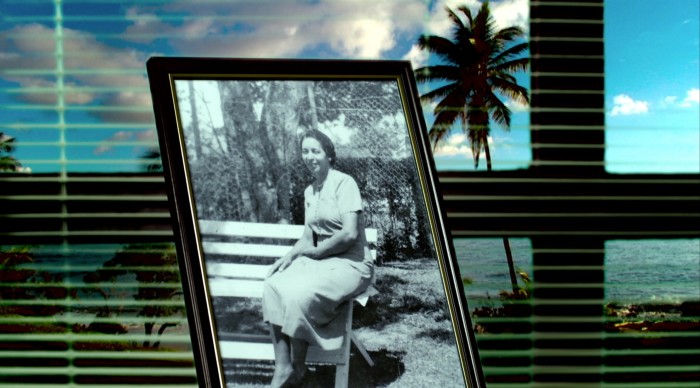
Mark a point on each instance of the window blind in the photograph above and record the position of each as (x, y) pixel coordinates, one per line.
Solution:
(575, 322)
(89, 285)
(74, 312)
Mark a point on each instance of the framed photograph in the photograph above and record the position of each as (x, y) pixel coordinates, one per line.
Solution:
(311, 240)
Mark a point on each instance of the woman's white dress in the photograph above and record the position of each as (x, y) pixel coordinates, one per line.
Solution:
(306, 298)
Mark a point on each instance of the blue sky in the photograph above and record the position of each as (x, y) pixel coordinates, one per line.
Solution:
(651, 71)
(652, 81)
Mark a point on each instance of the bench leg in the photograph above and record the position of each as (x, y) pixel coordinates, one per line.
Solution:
(362, 349)
(342, 374)
(342, 370)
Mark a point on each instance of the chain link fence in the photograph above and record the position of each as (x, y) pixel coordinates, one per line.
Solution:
(242, 139)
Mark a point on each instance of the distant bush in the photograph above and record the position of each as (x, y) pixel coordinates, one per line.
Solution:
(19, 282)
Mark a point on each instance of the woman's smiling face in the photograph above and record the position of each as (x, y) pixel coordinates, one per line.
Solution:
(315, 158)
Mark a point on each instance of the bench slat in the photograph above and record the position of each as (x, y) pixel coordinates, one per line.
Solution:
(239, 249)
(251, 229)
(247, 350)
(246, 281)
(236, 288)
(264, 351)
(238, 271)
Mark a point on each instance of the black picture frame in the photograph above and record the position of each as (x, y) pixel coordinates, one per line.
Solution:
(174, 81)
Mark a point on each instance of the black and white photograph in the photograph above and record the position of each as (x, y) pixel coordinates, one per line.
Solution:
(316, 242)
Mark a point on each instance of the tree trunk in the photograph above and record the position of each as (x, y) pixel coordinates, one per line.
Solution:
(487, 151)
(312, 105)
(506, 242)
(238, 116)
(148, 330)
(195, 123)
(164, 326)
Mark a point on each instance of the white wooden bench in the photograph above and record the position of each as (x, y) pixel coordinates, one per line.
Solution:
(232, 279)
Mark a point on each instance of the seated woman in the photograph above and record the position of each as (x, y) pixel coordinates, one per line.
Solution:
(329, 265)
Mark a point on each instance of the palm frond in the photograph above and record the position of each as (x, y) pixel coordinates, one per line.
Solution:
(462, 35)
(439, 93)
(6, 143)
(156, 165)
(509, 34)
(444, 48)
(437, 73)
(456, 21)
(500, 75)
(438, 133)
(511, 90)
(498, 110)
(510, 52)
(515, 65)
(483, 24)
(468, 13)
(446, 113)
(453, 102)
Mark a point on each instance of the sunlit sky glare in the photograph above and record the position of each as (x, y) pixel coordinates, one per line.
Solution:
(652, 71)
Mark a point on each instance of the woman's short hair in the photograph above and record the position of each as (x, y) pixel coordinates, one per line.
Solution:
(325, 141)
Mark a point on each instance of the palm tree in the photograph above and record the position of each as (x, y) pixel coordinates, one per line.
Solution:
(155, 164)
(476, 68)
(7, 162)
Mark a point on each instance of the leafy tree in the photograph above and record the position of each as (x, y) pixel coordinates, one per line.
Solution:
(18, 282)
(476, 68)
(154, 267)
(7, 146)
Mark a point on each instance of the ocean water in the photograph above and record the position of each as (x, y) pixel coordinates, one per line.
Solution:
(73, 262)
(636, 270)
(656, 270)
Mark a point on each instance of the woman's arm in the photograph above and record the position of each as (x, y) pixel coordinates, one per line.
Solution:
(297, 250)
(339, 242)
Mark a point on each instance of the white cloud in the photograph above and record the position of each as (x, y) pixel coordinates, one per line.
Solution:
(351, 29)
(108, 144)
(625, 105)
(454, 145)
(692, 98)
(669, 100)
(509, 13)
(368, 38)
(458, 145)
(148, 135)
(82, 52)
(418, 57)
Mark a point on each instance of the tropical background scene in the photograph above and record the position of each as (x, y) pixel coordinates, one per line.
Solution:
(77, 131)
